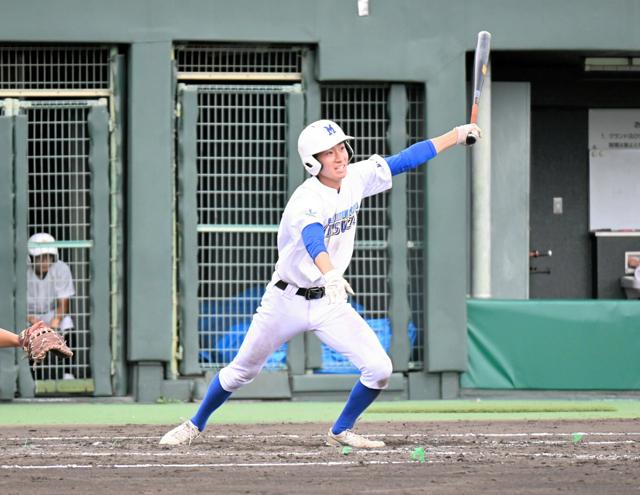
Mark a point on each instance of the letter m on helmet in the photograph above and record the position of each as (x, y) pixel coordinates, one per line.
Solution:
(330, 130)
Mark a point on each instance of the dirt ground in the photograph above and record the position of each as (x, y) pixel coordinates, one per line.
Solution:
(527, 457)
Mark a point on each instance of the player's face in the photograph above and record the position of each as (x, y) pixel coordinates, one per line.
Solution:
(42, 263)
(334, 165)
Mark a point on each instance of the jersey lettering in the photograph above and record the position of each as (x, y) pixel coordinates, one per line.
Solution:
(342, 221)
(312, 202)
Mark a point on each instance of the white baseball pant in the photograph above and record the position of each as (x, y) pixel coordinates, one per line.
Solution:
(282, 315)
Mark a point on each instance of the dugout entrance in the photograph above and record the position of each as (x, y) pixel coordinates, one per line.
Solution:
(59, 128)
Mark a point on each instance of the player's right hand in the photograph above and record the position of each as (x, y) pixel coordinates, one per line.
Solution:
(336, 287)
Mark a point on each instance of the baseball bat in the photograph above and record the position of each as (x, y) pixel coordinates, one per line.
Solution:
(480, 68)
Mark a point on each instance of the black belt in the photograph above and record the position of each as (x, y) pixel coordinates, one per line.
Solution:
(310, 293)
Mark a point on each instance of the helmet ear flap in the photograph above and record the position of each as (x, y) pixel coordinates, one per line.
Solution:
(349, 150)
(312, 165)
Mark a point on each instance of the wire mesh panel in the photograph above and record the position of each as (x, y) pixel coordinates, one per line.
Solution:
(25, 67)
(362, 112)
(238, 62)
(415, 225)
(55, 195)
(59, 204)
(242, 159)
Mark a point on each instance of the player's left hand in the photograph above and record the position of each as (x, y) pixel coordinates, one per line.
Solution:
(336, 287)
(462, 131)
(39, 339)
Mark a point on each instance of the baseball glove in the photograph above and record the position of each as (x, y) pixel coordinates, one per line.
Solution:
(39, 339)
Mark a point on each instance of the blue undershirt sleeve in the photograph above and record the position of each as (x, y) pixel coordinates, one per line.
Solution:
(412, 157)
(313, 237)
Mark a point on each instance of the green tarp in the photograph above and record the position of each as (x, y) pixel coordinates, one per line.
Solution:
(553, 345)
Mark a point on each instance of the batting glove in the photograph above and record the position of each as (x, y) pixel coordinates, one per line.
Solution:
(463, 131)
(336, 287)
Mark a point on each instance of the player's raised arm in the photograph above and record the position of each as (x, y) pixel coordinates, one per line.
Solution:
(457, 135)
(419, 153)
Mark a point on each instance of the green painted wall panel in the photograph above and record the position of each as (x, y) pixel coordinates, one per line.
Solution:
(118, 339)
(553, 344)
(26, 385)
(100, 352)
(188, 220)
(8, 367)
(412, 38)
(150, 207)
(399, 311)
(446, 227)
(7, 267)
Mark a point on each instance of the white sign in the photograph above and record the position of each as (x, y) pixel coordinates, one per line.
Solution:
(614, 190)
(614, 129)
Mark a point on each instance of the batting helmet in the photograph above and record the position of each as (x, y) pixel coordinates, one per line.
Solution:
(42, 238)
(317, 137)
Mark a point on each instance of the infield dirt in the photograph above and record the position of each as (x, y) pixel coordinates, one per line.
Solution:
(462, 457)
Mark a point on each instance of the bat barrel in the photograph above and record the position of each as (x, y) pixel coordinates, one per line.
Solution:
(480, 70)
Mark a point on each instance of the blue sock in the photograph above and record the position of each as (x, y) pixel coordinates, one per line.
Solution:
(213, 399)
(359, 399)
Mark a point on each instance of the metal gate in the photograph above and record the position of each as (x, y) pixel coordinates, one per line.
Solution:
(61, 175)
(61, 112)
(241, 184)
(364, 111)
(415, 227)
(238, 164)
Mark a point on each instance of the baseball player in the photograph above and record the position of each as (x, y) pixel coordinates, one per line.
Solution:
(307, 291)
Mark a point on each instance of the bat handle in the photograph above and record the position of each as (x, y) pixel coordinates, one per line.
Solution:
(472, 137)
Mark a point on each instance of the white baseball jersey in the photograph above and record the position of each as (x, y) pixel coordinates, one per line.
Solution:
(336, 211)
(43, 293)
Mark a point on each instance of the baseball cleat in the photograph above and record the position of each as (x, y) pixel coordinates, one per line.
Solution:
(187, 432)
(347, 438)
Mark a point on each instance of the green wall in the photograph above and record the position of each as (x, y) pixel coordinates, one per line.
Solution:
(419, 32)
(150, 203)
(409, 40)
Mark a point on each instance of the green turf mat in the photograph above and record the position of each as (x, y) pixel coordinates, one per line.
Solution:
(466, 408)
(42, 412)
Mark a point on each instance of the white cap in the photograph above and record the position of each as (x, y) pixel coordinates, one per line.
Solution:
(42, 238)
